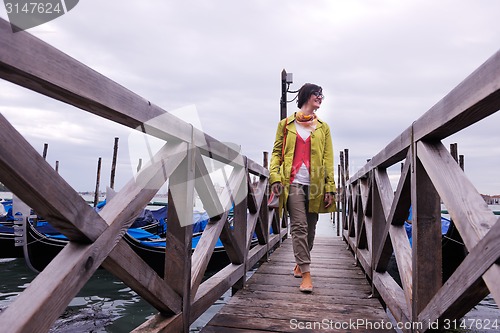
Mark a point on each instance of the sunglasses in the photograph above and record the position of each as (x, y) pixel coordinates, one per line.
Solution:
(318, 94)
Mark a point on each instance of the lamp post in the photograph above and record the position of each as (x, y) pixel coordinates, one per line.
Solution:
(286, 80)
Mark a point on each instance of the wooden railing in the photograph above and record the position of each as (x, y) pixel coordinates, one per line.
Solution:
(96, 239)
(375, 212)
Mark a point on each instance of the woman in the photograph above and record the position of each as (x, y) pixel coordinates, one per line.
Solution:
(301, 172)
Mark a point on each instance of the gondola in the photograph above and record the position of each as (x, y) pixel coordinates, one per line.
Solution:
(152, 250)
(7, 234)
(8, 249)
(453, 250)
(43, 242)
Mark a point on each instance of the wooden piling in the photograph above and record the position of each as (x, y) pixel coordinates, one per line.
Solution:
(454, 151)
(113, 165)
(45, 148)
(98, 178)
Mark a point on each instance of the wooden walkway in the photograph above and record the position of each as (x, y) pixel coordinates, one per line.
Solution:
(272, 302)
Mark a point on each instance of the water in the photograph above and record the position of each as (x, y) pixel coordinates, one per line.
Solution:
(106, 304)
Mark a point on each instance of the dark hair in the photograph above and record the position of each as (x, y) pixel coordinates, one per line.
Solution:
(305, 93)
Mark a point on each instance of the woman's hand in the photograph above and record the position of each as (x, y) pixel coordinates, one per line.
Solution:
(329, 197)
(277, 188)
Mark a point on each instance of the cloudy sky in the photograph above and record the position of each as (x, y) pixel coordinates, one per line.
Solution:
(218, 63)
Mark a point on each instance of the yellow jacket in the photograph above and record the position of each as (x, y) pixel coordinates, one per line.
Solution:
(321, 167)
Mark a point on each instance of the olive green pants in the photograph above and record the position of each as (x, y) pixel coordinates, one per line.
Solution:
(302, 225)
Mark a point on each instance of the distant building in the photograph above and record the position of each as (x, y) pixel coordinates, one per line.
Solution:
(491, 199)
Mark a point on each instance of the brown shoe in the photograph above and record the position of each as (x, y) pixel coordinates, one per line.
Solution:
(296, 272)
(306, 285)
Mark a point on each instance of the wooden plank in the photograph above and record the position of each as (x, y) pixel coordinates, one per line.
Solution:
(253, 217)
(256, 253)
(396, 207)
(350, 221)
(395, 212)
(141, 278)
(256, 168)
(239, 232)
(359, 222)
(469, 211)
(402, 252)
(368, 229)
(203, 252)
(205, 189)
(271, 301)
(179, 235)
(206, 244)
(426, 235)
(119, 219)
(213, 288)
(161, 323)
(55, 199)
(274, 240)
(62, 279)
(364, 258)
(274, 221)
(234, 239)
(251, 201)
(125, 205)
(304, 308)
(383, 246)
(354, 294)
(46, 70)
(465, 288)
(366, 195)
(262, 227)
(392, 295)
(382, 197)
(475, 98)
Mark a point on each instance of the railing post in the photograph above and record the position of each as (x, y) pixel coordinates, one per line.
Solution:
(426, 235)
(241, 232)
(337, 213)
(342, 192)
(178, 249)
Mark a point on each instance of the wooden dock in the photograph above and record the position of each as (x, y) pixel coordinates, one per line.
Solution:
(370, 221)
(272, 302)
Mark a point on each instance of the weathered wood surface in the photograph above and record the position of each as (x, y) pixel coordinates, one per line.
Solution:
(430, 174)
(96, 238)
(272, 302)
(477, 97)
(29, 62)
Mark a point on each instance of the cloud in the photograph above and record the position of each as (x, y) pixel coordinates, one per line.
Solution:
(382, 64)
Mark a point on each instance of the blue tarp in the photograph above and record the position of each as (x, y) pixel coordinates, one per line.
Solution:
(195, 241)
(140, 234)
(445, 225)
